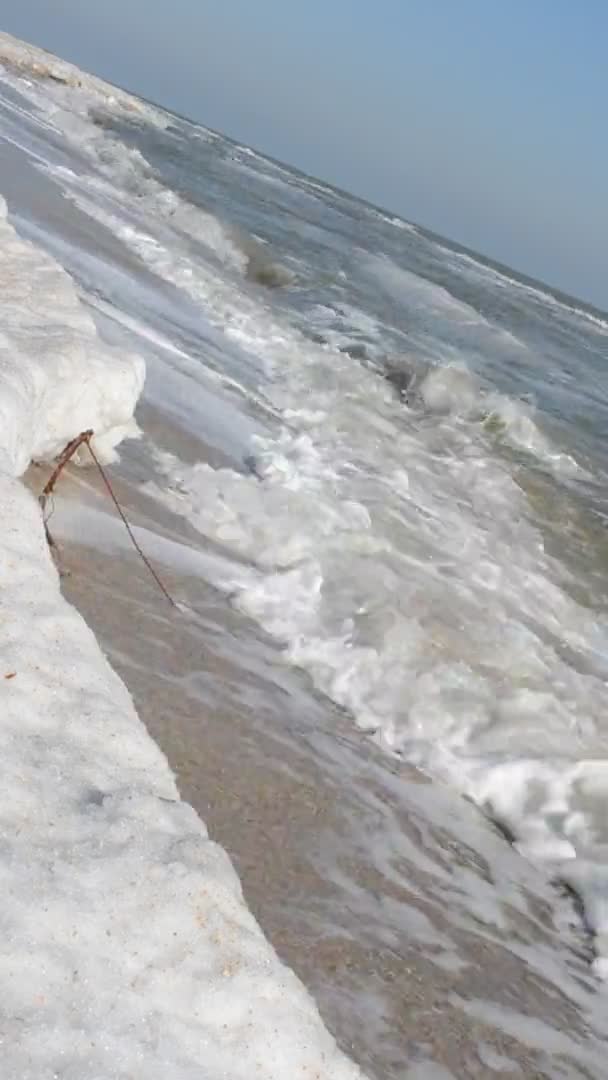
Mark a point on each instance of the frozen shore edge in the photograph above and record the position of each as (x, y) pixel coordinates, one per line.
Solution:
(127, 947)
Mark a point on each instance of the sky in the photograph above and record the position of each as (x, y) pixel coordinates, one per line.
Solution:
(483, 120)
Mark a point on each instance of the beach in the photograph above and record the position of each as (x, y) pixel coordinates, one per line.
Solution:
(431, 945)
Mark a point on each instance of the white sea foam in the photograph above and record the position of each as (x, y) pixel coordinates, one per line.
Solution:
(127, 948)
(437, 619)
(123, 174)
(449, 388)
(452, 389)
(450, 639)
(396, 222)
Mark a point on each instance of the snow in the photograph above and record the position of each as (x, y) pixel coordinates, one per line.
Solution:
(126, 947)
(56, 376)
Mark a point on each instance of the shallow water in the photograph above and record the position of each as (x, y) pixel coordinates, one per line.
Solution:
(429, 559)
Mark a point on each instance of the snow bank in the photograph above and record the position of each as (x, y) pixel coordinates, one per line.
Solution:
(56, 376)
(126, 947)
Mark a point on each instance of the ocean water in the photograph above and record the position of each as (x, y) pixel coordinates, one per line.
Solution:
(406, 479)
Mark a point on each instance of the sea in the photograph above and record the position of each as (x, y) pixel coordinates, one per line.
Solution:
(389, 454)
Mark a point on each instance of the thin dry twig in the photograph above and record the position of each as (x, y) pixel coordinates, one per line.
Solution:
(62, 461)
(143, 557)
(67, 453)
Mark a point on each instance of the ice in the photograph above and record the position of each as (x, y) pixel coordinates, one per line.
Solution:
(126, 947)
(57, 376)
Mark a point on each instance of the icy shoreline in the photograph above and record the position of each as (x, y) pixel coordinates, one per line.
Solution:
(125, 273)
(127, 947)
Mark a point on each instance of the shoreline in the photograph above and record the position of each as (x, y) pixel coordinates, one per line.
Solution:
(424, 938)
(127, 944)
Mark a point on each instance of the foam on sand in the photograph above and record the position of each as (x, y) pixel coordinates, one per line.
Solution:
(127, 948)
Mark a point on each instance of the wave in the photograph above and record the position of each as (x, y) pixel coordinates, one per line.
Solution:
(396, 222)
(398, 565)
(86, 117)
(128, 174)
(348, 329)
(418, 293)
(452, 390)
(447, 331)
(501, 278)
(438, 624)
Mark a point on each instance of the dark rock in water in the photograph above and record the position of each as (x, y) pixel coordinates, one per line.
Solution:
(251, 464)
(100, 117)
(401, 379)
(94, 797)
(272, 275)
(405, 374)
(358, 352)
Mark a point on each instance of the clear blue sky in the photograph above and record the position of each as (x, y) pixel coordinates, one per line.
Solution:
(482, 119)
